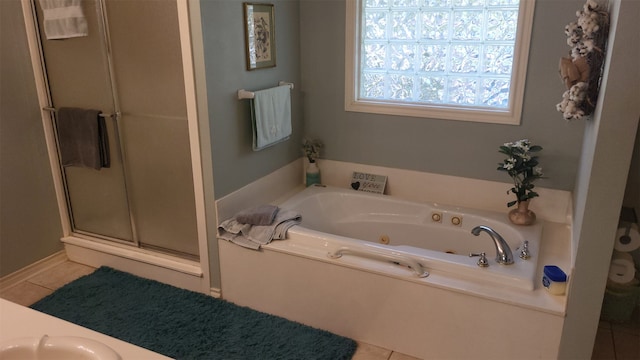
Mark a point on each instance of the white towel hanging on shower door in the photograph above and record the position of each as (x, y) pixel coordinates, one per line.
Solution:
(63, 19)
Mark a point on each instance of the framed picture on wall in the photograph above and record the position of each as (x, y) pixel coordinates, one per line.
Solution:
(260, 35)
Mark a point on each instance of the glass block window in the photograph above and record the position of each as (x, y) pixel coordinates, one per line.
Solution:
(453, 55)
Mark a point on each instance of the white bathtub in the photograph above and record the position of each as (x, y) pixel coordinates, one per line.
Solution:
(422, 238)
(458, 311)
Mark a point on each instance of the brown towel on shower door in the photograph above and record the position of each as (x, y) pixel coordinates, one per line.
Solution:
(82, 137)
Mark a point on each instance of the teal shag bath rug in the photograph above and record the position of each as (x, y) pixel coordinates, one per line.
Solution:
(183, 324)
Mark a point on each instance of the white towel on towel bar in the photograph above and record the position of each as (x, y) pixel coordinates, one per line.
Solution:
(63, 19)
(271, 116)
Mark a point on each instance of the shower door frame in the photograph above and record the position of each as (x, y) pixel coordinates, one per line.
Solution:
(199, 269)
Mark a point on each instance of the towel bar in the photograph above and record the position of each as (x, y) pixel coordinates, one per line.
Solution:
(101, 115)
(244, 94)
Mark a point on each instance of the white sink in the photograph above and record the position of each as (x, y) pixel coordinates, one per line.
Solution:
(56, 348)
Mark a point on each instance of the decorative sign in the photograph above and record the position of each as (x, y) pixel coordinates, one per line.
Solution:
(368, 182)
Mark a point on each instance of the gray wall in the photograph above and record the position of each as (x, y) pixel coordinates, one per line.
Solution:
(235, 164)
(310, 47)
(29, 220)
(446, 147)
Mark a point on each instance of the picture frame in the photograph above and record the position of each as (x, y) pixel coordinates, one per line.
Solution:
(260, 35)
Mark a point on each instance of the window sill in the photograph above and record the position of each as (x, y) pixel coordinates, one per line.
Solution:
(472, 114)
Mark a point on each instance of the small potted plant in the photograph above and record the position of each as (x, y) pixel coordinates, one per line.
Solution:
(522, 165)
(311, 149)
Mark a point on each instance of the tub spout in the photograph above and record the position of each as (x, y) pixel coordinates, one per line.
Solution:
(503, 251)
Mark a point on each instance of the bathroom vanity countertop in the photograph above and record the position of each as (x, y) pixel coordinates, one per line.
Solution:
(17, 321)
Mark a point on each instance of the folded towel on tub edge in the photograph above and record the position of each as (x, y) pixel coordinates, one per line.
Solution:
(259, 215)
(254, 236)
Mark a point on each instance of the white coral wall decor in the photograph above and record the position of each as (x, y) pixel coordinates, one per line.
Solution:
(580, 71)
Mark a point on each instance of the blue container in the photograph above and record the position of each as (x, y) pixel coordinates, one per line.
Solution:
(554, 280)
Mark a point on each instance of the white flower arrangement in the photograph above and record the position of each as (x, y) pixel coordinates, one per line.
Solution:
(311, 149)
(522, 165)
(580, 71)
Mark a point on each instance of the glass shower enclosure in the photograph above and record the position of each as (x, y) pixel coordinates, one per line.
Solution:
(130, 68)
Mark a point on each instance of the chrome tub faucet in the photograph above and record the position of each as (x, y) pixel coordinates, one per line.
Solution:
(504, 255)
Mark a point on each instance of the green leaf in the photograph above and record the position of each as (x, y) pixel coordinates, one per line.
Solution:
(511, 203)
(535, 148)
(505, 150)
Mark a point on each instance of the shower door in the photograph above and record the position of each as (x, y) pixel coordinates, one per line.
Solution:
(78, 76)
(130, 66)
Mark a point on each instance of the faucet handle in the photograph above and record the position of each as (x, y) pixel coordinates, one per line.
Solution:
(525, 253)
(482, 262)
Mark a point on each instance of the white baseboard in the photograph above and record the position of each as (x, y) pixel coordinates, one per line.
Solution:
(187, 277)
(167, 269)
(215, 292)
(32, 270)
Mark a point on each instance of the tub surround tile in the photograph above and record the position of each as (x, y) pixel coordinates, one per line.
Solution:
(552, 205)
(268, 189)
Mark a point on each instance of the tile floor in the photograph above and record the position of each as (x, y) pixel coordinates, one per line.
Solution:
(43, 284)
(618, 341)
